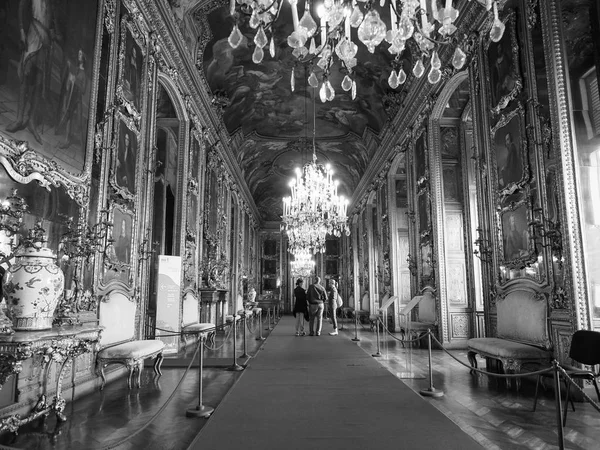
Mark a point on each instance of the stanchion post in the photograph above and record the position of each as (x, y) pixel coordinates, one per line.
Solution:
(200, 410)
(260, 336)
(377, 331)
(559, 419)
(269, 319)
(235, 367)
(355, 339)
(245, 318)
(430, 391)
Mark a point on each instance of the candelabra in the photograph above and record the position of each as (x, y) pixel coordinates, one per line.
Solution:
(412, 264)
(147, 249)
(550, 234)
(78, 244)
(12, 210)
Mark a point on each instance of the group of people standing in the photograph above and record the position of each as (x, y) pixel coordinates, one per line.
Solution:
(310, 304)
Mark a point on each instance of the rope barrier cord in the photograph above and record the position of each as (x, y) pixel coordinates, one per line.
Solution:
(403, 341)
(252, 331)
(587, 397)
(468, 366)
(224, 341)
(161, 409)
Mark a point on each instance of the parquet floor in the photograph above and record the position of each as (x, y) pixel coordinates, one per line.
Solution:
(496, 415)
(488, 409)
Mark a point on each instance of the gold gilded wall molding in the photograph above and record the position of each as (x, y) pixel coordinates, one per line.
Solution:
(563, 145)
(110, 12)
(25, 165)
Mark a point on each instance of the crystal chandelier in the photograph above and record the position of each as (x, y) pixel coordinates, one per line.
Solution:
(314, 209)
(303, 265)
(420, 20)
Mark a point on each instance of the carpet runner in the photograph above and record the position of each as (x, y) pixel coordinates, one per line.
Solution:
(324, 393)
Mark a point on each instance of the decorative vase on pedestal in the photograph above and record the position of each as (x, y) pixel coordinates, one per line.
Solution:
(33, 286)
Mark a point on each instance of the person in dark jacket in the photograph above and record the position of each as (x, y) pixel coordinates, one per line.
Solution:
(300, 307)
(316, 298)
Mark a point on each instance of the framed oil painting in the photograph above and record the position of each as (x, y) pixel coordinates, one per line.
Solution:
(122, 234)
(510, 149)
(194, 159)
(331, 267)
(270, 247)
(452, 183)
(47, 77)
(515, 235)
(420, 158)
(124, 168)
(424, 212)
(269, 267)
(503, 66)
(426, 263)
(332, 247)
(131, 66)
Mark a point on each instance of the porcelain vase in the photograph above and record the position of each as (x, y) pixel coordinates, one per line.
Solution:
(33, 286)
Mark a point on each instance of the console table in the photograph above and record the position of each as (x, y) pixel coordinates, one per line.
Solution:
(60, 345)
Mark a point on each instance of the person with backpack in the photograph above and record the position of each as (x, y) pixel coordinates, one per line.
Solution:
(334, 304)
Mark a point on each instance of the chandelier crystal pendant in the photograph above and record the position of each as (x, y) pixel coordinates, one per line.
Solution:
(428, 26)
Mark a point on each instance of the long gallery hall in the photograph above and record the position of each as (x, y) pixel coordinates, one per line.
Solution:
(299, 224)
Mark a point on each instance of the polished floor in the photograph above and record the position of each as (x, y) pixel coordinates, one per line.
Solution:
(491, 412)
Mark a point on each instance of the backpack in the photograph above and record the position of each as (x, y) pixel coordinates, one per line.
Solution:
(339, 302)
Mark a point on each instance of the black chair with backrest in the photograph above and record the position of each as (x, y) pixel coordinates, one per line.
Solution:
(585, 349)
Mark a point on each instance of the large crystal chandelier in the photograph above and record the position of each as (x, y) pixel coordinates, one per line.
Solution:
(420, 20)
(314, 209)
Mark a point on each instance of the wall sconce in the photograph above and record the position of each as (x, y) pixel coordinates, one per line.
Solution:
(81, 241)
(412, 264)
(484, 249)
(147, 249)
(550, 234)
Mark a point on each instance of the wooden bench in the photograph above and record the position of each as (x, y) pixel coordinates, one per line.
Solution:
(522, 332)
(118, 344)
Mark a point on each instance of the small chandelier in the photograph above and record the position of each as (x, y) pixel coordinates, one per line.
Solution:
(303, 265)
(419, 20)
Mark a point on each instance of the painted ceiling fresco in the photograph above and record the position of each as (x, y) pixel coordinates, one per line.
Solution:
(277, 123)
(269, 164)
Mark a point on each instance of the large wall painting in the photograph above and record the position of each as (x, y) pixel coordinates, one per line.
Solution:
(118, 258)
(124, 167)
(130, 67)
(516, 239)
(503, 67)
(511, 153)
(46, 72)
